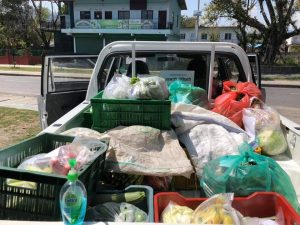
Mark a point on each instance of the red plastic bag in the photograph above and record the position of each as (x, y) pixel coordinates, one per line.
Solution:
(231, 105)
(248, 88)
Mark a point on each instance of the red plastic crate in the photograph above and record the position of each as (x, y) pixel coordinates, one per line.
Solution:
(259, 204)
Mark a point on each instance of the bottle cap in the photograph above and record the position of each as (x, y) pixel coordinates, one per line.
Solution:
(72, 174)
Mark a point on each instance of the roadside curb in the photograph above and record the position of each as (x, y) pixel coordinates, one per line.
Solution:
(18, 74)
(281, 85)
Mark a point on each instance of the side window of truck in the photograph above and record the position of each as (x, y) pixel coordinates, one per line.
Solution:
(69, 73)
(226, 67)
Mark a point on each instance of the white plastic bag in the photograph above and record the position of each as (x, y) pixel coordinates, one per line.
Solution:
(154, 88)
(263, 125)
(117, 88)
(176, 214)
(116, 212)
(82, 132)
(36, 163)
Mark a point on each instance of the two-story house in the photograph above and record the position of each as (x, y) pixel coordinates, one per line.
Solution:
(218, 34)
(93, 24)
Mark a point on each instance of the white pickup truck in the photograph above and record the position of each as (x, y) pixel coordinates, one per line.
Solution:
(69, 82)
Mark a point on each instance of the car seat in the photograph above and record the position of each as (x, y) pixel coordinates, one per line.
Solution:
(199, 66)
(140, 68)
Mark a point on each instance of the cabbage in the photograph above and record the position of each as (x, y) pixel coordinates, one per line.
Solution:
(272, 141)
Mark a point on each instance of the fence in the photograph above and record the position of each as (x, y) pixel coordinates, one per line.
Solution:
(22, 56)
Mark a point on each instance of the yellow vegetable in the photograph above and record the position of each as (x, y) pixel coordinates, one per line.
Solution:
(177, 214)
(227, 219)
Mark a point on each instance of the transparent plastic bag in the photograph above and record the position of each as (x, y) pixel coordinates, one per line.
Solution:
(36, 163)
(176, 214)
(182, 92)
(263, 125)
(116, 212)
(117, 88)
(245, 174)
(154, 88)
(82, 149)
(217, 210)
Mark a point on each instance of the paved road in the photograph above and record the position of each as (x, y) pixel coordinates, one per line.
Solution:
(20, 85)
(286, 101)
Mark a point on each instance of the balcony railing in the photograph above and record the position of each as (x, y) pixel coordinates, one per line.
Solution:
(121, 24)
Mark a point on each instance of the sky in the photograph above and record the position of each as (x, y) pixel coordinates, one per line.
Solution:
(192, 5)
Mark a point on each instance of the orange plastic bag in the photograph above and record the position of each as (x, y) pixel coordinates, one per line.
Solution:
(248, 88)
(231, 105)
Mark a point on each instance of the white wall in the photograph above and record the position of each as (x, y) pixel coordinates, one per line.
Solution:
(116, 5)
(190, 34)
(174, 16)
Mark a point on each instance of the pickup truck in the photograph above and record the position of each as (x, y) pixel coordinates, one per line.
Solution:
(70, 81)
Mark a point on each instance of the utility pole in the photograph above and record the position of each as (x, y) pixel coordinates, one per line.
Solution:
(197, 21)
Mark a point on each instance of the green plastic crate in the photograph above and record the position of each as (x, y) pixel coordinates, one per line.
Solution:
(88, 118)
(41, 203)
(110, 113)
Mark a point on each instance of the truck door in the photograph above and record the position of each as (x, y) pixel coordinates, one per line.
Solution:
(254, 61)
(64, 84)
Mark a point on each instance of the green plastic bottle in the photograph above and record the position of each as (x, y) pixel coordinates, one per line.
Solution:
(73, 198)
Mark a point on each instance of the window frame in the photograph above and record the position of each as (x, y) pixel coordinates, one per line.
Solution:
(125, 13)
(83, 15)
(106, 13)
(147, 14)
(138, 4)
(204, 35)
(227, 36)
(100, 13)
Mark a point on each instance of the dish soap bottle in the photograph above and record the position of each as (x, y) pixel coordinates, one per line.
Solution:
(73, 198)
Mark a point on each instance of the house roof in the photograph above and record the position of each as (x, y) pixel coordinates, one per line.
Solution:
(182, 4)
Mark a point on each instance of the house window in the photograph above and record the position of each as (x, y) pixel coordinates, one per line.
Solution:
(204, 36)
(138, 4)
(227, 36)
(98, 15)
(108, 15)
(85, 15)
(182, 36)
(123, 15)
(147, 15)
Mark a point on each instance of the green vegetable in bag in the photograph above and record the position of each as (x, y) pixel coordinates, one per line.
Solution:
(182, 92)
(245, 174)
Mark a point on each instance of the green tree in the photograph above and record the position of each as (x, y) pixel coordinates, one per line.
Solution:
(278, 22)
(41, 16)
(187, 22)
(13, 23)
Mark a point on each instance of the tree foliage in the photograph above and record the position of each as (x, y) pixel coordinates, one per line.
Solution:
(41, 16)
(187, 22)
(14, 23)
(278, 20)
(21, 22)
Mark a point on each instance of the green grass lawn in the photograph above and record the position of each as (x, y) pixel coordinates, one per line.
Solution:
(17, 68)
(17, 125)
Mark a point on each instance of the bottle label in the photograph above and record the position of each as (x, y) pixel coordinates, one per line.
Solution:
(71, 199)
